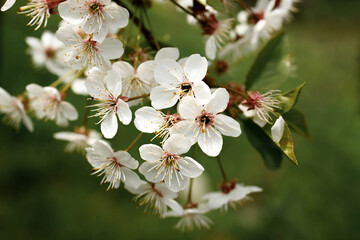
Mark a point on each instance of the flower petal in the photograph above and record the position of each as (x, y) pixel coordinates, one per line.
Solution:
(150, 173)
(111, 48)
(195, 68)
(162, 97)
(124, 113)
(177, 144)
(113, 83)
(168, 52)
(190, 167)
(130, 178)
(219, 101)
(227, 125)
(148, 120)
(277, 130)
(151, 152)
(210, 142)
(190, 108)
(168, 73)
(109, 125)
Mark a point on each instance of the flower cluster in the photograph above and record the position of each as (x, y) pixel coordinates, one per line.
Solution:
(127, 78)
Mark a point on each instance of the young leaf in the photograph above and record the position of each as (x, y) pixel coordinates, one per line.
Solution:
(272, 66)
(270, 153)
(289, 99)
(296, 121)
(286, 143)
(216, 4)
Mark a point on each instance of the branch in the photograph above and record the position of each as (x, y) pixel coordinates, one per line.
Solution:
(146, 32)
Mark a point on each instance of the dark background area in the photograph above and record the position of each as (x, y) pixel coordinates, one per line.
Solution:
(47, 194)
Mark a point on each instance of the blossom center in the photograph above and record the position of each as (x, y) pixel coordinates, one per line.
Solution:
(95, 7)
(205, 120)
(186, 88)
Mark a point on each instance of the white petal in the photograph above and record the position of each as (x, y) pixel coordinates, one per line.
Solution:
(124, 112)
(174, 205)
(144, 169)
(124, 69)
(190, 108)
(111, 48)
(162, 97)
(202, 92)
(146, 71)
(227, 125)
(175, 183)
(216, 200)
(131, 178)
(96, 89)
(103, 148)
(8, 4)
(125, 159)
(195, 68)
(168, 52)
(148, 120)
(109, 125)
(189, 128)
(210, 142)
(177, 144)
(219, 101)
(210, 48)
(28, 123)
(69, 111)
(190, 167)
(113, 83)
(168, 73)
(151, 152)
(277, 130)
(144, 186)
(5, 97)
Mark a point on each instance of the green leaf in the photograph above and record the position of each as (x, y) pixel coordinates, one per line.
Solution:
(286, 144)
(289, 99)
(296, 121)
(216, 4)
(270, 153)
(272, 66)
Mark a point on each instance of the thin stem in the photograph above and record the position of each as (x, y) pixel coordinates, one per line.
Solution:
(137, 97)
(222, 169)
(232, 90)
(134, 142)
(147, 34)
(246, 6)
(189, 199)
(61, 79)
(68, 85)
(184, 9)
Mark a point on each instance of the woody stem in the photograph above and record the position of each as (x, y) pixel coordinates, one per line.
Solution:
(134, 142)
(222, 169)
(137, 97)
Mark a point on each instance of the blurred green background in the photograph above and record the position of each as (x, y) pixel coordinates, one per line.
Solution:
(47, 194)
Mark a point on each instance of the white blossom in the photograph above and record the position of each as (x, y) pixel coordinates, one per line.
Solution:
(48, 52)
(140, 81)
(79, 139)
(86, 52)
(149, 120)
(204, 124)
(179, 80)
(231, 195)
(14, 111)
(48, 104)
(94, 16)
(156, 198)
(166, 164)
(110, 103)
(115, 166)
(192, 217)
(262, 104)
(250, 113)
